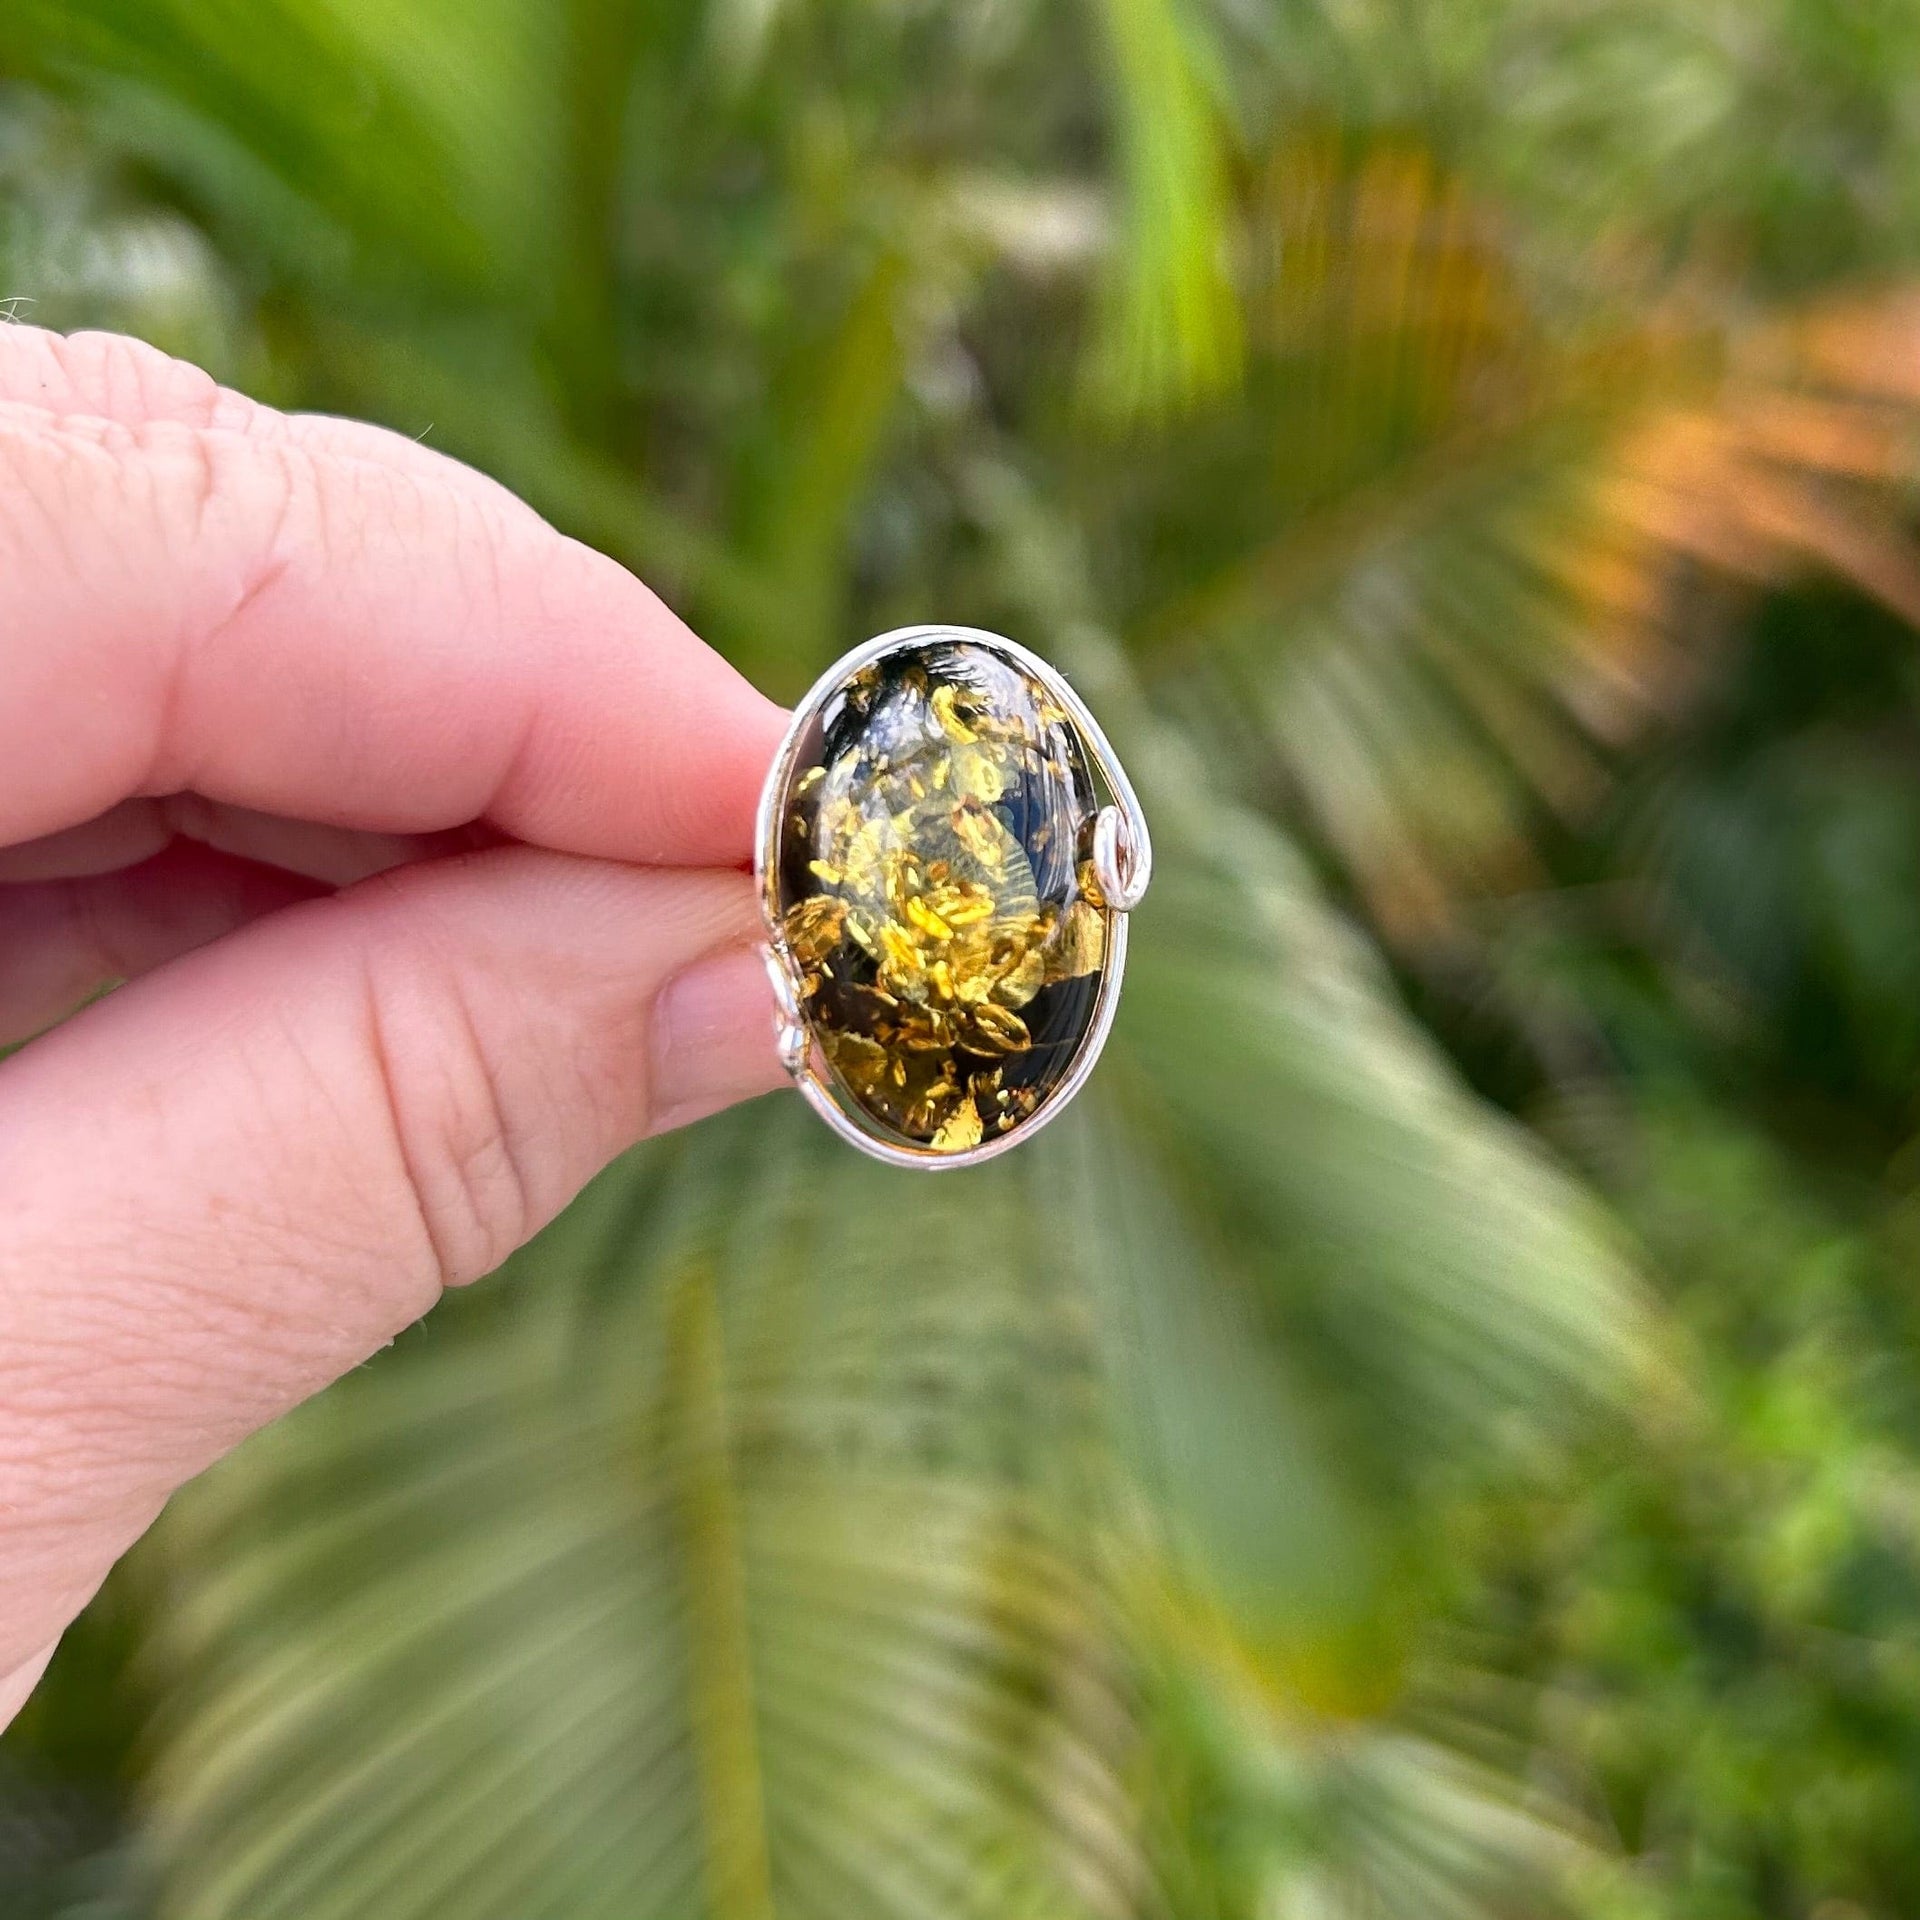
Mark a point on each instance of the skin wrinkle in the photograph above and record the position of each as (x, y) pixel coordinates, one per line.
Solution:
(200, 456)
(83, 377)
(512, 774)
(165, 385)
(94, 1434)
(348, 1123)
(75, 1461)
(394, 501)
(158, 382)
(462, 1238)
(381, 999)
(258, 575)
(486, 1149)
(27, 494)
(426, 1031)
(172, 1317)
(97, 367)
(168, 731)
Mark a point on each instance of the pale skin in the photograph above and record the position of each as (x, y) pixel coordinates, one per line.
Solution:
(418, 834)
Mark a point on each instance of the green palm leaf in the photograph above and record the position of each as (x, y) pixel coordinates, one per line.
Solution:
(1171, 332)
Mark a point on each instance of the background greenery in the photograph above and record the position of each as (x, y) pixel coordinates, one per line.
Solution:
(1435, 1435)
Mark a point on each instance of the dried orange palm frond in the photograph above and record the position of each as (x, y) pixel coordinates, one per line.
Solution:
(1480, 551)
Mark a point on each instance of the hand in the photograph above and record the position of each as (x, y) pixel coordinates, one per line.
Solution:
(418, 830)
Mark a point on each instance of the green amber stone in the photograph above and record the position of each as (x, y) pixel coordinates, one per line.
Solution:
(934, 891)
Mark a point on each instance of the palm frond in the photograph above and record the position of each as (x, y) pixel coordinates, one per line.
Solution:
(1450, 590)
(1171, 333)
(685, 1578)
(373, 165)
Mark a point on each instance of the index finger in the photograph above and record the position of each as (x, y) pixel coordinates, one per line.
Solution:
(316, 630)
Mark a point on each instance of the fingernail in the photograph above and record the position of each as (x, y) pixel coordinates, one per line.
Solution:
(712, 1039)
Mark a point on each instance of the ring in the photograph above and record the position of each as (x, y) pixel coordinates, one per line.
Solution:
(947, 852)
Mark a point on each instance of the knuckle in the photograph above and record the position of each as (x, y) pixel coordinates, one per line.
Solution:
(143, 543)
(114, 377)
(216, 483)
(132, 488)
(227, 511)
(459, 1121)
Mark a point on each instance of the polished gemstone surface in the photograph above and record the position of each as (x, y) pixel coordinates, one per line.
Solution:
(935, 896)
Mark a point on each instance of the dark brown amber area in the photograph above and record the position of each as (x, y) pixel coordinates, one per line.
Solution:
(935, 896)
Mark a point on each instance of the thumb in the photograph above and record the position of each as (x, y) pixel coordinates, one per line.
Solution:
(230, 1182)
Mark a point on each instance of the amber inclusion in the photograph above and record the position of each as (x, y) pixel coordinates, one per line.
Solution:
(935, 893)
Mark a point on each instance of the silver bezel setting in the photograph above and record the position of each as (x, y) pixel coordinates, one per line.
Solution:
(1123, 863)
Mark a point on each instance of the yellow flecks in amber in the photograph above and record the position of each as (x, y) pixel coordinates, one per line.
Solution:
(1015, 985)
(901, 957)
(975, 827)
(963, 1128)
(1082, 945)
(980, 773)
(860, 1057)
(936, 931)
(926, 920)
(1000, 1031)
(954, 724)
(814, 926)
(964, 903)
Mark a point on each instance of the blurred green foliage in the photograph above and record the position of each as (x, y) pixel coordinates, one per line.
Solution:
(1437, 1431)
